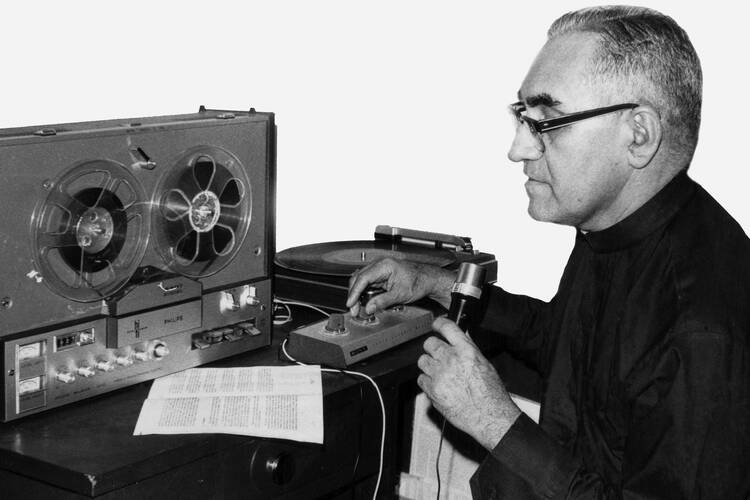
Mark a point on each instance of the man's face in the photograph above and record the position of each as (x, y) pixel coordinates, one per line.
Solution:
(576, 173)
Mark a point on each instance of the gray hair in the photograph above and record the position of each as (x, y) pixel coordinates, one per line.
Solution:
(647, 56)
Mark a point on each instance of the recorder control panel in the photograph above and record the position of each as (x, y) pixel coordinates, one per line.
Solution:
(54, 368)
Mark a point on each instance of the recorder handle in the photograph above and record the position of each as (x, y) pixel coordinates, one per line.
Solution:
(465, 294)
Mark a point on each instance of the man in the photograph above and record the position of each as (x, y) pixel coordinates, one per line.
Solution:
(644, 349)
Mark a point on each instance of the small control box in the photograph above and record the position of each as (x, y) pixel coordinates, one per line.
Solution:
(344, 339)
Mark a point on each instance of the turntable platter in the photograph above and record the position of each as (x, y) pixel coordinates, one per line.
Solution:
(342, 258)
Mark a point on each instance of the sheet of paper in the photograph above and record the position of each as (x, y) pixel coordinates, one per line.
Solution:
(266, 401)
(460, 455)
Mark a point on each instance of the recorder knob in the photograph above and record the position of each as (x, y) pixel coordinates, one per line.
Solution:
(86, 371)
(124, 360)
(104, 365)
(160, 351)
(364, 298)
(65, 377)
(141, 355)
(336, 325)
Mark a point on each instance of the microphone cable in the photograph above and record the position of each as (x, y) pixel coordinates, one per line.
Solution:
(349, 372)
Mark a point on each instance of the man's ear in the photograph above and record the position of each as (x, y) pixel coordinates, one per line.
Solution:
(646, 129)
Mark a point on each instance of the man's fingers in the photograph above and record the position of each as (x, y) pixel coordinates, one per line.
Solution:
(354, 310)
(426, 363)
(450, 332)
(432, 345)
(381, 301)
(357, 284)
(424, 383)
(361, 279)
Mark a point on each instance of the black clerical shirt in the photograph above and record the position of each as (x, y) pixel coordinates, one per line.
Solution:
(645, 361)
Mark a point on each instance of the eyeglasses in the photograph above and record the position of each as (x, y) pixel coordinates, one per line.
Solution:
(538, 127)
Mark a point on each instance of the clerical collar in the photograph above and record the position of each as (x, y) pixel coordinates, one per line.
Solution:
(653, 214)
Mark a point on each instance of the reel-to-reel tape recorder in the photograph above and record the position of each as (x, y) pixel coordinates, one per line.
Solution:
(130, 249)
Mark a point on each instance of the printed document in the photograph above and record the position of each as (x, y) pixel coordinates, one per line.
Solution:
(460, 455)
(267, 401)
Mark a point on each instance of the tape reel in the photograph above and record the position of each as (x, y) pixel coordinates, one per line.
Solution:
(92, 230)
(202, 211)
(90, 233)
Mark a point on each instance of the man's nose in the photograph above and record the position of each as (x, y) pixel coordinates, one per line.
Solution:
(526, 146)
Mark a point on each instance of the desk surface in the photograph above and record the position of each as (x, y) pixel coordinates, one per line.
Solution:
(88, 447)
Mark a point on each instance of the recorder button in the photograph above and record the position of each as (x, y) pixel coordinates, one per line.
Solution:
(233, 334)
(213, 336)
(248, 328)
(65, 377)
(200, 344)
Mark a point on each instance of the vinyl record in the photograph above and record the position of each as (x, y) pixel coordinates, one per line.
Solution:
(342, 258)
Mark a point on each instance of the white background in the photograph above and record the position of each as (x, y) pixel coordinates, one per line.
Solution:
(388, 112)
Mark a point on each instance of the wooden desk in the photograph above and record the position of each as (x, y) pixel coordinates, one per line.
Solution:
(87, 449)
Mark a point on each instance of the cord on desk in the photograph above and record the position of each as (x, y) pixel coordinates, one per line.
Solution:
(286, 318)
(377, 390)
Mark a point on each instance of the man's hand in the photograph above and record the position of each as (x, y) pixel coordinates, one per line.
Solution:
(464, 386)
(403, 282)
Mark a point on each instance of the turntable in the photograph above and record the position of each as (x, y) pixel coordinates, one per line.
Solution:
(319, 273)
(130, 249)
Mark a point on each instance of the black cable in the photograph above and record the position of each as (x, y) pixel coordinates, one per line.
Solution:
(437, 461)
(359, 433)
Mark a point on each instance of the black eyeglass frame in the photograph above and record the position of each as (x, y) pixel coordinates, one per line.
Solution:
(542, 126)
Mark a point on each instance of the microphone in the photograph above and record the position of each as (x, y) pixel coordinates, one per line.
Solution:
(465, 294)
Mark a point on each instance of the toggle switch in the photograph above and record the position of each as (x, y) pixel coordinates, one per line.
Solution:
(228, 302)
(249, 296)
